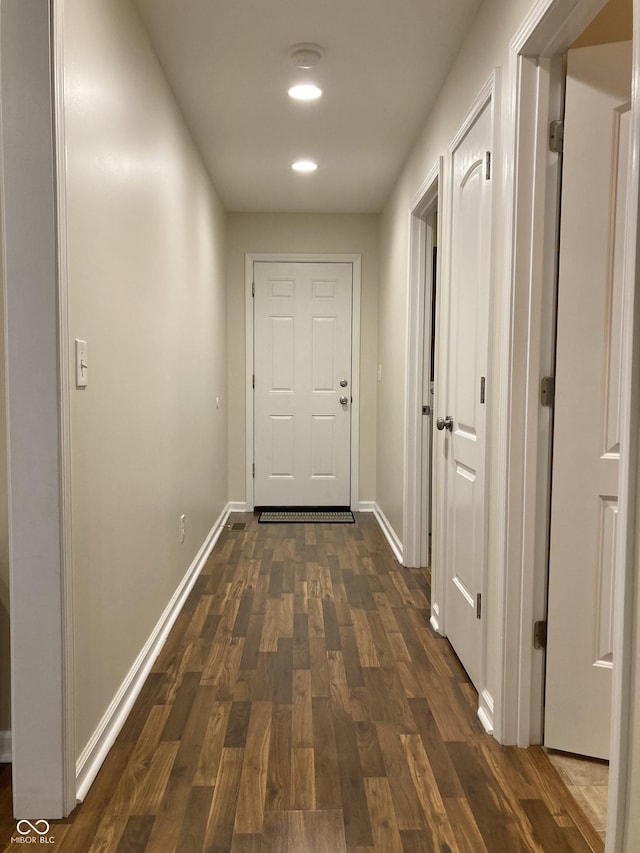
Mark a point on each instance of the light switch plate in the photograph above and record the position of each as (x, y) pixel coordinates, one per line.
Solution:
(82, 364)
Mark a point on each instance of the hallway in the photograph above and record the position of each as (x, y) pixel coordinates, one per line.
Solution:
(303, 703)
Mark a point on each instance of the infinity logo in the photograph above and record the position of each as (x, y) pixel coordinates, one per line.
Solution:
(24, 827)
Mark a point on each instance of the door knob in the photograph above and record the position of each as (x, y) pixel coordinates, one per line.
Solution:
(344, 383)
(344, 400)
(445, 423)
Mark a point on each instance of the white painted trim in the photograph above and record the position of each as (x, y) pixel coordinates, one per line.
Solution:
(355, 379)
(389, 533)
(5, 747)
(367, 506)
(239, 506)
(441, 406)
(487, 93)
(626, 605)
(435, 618)
(418, 310)
(248, 382)
(356, 261)
(552, 25)
(548, 30)
(64, 334)
(485, 711)
(42, 730)
(528, 315)
(103, 738)
(530, 192)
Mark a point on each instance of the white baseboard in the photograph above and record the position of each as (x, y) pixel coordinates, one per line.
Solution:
(103, 738)
(485, 711)
(366, 506)
(6, 755)
(435, 618)
(239, 506)
(390, 535)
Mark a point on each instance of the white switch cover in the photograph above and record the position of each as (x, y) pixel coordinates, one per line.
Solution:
(82, 364)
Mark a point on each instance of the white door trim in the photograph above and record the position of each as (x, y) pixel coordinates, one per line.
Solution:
(356, 261)
(70, 780)
(36, 320)
(426, 201)
(530, 194)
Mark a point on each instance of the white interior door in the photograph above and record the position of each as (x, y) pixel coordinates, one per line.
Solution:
(302, 386)
(584, 503)
(465, 443)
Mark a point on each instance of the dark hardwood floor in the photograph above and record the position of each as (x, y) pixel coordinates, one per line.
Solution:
(303, 703)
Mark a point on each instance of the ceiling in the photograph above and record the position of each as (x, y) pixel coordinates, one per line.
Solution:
(228, 64)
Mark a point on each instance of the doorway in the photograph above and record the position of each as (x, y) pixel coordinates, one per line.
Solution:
(302, 383)
(537, 87)
(586, 451)
(422, 478)
(336, 480)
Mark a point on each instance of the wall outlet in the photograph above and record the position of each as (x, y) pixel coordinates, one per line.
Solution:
(182, 525)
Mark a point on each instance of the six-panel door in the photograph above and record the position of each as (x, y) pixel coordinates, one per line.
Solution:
(302, 395)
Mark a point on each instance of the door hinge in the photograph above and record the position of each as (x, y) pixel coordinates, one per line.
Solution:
(540, 634)
(253, 470)
(556, 137)
(426, 410)
(253, 380)
(548, 391)
(483, 383)
(478, 605)
(253, 288)
(487, 169)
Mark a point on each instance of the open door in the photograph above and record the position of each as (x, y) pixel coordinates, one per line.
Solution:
(586, 453)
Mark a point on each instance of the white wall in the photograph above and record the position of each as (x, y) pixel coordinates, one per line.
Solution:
(146, 280)
(5, 657)
(300, 233)
(485, 48)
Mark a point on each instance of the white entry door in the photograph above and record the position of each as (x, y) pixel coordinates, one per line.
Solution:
(302, 391)
(586, 453)
(466, 389)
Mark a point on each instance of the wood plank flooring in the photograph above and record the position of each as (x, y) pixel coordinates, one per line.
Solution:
(303, 703)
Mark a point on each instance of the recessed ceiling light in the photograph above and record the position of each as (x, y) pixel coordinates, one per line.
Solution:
(305, 92)
(304, 166)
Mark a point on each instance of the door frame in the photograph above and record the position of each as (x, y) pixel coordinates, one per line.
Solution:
(426, 202)
(38, 412)
(356, 263)
(532, 182)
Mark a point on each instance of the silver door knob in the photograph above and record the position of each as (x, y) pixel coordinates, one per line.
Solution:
(445, 423)
(344, 400)
(344, 383)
